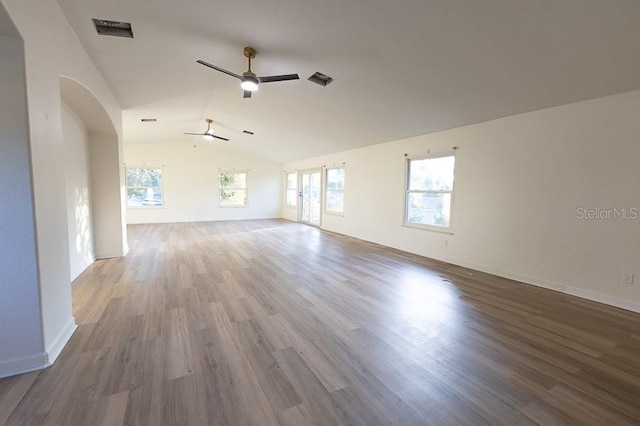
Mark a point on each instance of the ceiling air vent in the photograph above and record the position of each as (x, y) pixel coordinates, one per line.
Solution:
(321, 79)
(113, 28)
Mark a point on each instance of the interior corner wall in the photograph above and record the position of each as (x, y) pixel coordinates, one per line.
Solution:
(190, 179)
(79, 211)
(47, 56)
(21, 346)
(550, 197)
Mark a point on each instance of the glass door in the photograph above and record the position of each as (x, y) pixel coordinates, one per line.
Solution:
(310, 197)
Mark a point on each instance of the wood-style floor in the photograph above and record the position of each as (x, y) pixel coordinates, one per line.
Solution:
(271, 322)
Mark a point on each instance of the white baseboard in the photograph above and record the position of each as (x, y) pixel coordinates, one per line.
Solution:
(603, 298)
(506, 274)
(111, 255)
(574, 291)
(54, 349)
(14, 366)
(40, 360)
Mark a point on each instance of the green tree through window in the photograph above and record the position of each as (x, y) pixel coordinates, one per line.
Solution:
(429, 191)
(144, 186)
(233, 188)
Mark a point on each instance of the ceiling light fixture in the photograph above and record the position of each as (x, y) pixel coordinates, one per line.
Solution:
(248, 80)
(249, 83)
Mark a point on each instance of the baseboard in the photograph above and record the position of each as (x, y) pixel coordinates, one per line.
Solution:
(100, 256)
(506, 274)
(603, 298)
(15, 366)
(38, 361)
(574, 291)
(54, 349)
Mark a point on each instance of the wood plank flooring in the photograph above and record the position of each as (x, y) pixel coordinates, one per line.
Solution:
(270, 322)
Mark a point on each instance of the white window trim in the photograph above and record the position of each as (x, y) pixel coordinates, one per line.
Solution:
(407, 160)
(326, 190)
(246, 189)
(126, 188)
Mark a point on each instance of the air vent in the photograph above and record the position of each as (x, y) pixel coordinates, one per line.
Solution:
(247, 132)
(321, 79)
(113, 28)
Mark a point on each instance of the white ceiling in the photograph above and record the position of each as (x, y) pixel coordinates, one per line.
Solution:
(401, 68)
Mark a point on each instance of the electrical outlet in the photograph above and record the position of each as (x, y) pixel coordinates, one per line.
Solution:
(627, 278)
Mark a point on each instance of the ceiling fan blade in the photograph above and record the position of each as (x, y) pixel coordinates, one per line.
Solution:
(220, 137)
(247, 94)
(197, 134)
(284, 77)
(207, 64)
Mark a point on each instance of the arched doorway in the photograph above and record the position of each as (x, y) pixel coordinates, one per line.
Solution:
(93, 173)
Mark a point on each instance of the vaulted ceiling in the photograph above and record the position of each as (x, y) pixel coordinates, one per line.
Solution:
(400, 68)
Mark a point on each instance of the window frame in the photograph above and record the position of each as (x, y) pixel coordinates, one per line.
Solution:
(429, 156)
(161, 187)
(287, 189)
(246, 188)
(327, 190)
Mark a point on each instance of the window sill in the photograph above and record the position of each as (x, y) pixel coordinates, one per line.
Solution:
(447, 231)
(147, 207)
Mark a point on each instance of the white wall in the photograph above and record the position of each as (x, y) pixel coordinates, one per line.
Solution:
(48, 55)
(104, 159)
(190, 180)
(19, 296)
(519, 183)
(80, 226)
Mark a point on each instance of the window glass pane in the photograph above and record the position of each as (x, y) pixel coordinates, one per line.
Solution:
(335, 178)
(141, 177)
(431, 174)
(233, 180)
(335, 201)
(144, 187)
(429, 208)
(292, 180)
(233, 197)
(292, 197)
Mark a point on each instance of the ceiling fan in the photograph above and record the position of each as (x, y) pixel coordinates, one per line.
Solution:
(249, 81)
(208, 134)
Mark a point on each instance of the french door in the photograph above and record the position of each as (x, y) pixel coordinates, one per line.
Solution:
(310, 206)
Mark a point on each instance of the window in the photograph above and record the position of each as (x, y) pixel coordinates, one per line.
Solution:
(429, 191)
(233, 188)
(292, 190)
(334, 200)
(144, 187)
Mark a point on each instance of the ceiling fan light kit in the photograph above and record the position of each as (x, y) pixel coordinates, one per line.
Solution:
(249, 82)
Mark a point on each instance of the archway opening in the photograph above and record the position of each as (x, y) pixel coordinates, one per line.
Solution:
(93, 172)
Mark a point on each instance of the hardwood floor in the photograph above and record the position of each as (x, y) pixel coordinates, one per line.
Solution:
(271, 322)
